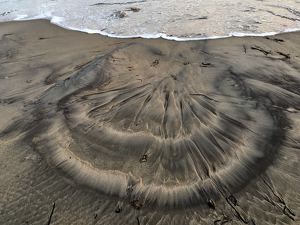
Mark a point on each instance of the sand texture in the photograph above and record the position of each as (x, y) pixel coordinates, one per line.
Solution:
(137, 131)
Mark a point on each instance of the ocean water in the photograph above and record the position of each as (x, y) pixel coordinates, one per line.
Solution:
(172, 19)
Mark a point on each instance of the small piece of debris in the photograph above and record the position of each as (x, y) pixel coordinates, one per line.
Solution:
(137, 206)
(174, 77)
(155, 63)
(144, 159)
(118, 210)
(135, 9)
(261, 50)
(206, 64)
(142, 119)
(211, 204)
(287, 56)
(53, 207)
(119, 14)
(200, 18)
(275, 39)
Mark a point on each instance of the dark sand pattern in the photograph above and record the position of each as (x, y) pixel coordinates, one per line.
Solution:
(163, 132)
(195, 143)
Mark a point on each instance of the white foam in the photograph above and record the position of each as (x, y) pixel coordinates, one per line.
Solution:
(21, 17)
(168, 37)
(57, 20)
(172, 20)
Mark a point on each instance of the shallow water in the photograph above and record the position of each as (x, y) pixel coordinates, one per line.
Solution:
(171, 19)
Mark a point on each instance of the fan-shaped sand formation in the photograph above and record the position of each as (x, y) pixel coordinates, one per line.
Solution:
(157, 128)
(174, 126)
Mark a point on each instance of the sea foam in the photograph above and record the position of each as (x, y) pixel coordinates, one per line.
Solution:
(173, 20)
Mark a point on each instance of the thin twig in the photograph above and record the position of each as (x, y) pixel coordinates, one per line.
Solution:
(51, 214)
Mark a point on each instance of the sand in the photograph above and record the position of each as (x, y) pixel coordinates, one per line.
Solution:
(147, 131)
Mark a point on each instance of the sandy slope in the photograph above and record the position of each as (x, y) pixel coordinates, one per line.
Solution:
(134, 131)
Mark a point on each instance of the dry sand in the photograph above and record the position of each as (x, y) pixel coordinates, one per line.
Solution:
(135, 131)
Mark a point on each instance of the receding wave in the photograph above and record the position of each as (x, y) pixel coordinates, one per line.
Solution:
(173, 19)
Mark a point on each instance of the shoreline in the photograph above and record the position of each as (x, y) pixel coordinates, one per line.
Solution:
(55, 20)
(125, 119)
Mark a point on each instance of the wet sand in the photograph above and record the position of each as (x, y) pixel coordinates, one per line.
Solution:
(147, 131)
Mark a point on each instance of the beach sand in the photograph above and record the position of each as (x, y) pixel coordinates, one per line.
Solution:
(147, 131)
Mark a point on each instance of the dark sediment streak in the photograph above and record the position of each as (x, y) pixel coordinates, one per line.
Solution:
(193, 129)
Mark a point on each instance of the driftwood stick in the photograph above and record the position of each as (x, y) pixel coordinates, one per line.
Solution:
(51, 214)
